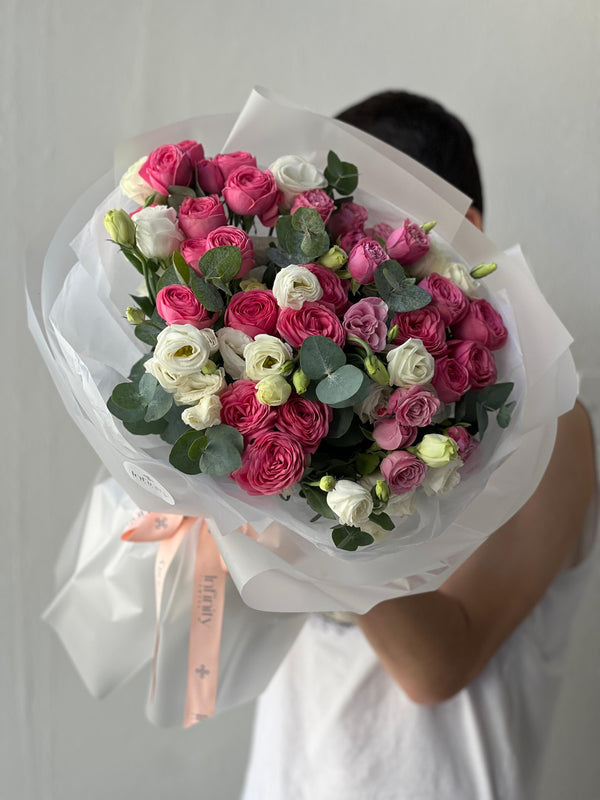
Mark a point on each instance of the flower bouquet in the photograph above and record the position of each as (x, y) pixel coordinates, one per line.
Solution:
(309, 365)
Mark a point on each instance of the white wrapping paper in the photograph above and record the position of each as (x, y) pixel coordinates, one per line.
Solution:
(292, 566)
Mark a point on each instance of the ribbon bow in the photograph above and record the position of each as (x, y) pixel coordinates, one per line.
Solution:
(207, 606)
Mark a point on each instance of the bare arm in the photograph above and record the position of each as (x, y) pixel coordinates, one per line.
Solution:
(436, 643)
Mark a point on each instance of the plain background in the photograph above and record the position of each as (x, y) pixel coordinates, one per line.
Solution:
(76, 78)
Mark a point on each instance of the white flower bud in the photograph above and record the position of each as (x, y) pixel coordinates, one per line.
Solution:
(157, 234)
(294, 285)
(351, 502)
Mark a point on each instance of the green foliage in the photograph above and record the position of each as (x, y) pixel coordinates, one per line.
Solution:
(179, 455)
(182, 267)
(345, 387)
(315, 240)
(169, 277)
(147, 332)
(205, 293)
(317, 500)
(175, 426)
(126, 396)
(474, 406)
(397, 289)
(320, 356)
(222, 454)
(367, 463)
(383, 520)
(341, 176)
(144, 303)
(342, 419)
(349, 537)
(221, 262)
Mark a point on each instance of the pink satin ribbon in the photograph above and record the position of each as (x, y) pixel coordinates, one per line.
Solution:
(207, 606)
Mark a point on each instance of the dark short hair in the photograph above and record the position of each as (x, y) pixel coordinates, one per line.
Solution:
(424, 130)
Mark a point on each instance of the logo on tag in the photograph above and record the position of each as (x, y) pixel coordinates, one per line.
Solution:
(148, 482)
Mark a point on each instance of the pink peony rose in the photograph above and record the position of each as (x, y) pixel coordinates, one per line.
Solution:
(413, 406)
(381, 230)
(272, 462)
(178, 305)
(166, 166)
(348, 240)
(391, 435)
(364, 258)
(425, 324)
(252, 312)
(305, 420)
(192, 251)
(198, 216)
(467, 444)
(313, 319)
(317, 199)
(482, 323)
(250, 191)
(230, 235)
(408, 243)
(229, 162)
(450, 380)
(450, 301)
(210, 177)
(241, 409)
(193, 150)
(476, 359)
(350, 217)
(335, 290)
(366, 320)
(402, 471)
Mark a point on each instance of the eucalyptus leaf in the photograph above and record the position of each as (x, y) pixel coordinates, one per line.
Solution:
(383, 520)
(346, 386)
(169, 277)
(205, 293)
(504, 414)
(342, 419)
(125, 395)
(143, 428)
(221, 262)
(147, 333)
(341, 175)
(349, 537)
(138, 369)
(175, 426)
(158, 406)
(482, 419)
(222, 454)
(126, 414)
(495, 396)
(367, 463)
(320, 356)
(147, 386)
(278, 257)
(197, 448)
(317, 500)
(398, 290)
(315, 240)
(179, 457)
(182, 267)
(144, 303)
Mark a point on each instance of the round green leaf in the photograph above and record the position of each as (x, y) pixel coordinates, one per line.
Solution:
(179, 456)
(349, 537)
(346, 386)
(125, 395)
(320, 356)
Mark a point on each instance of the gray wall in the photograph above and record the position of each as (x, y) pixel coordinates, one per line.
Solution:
(76, 78)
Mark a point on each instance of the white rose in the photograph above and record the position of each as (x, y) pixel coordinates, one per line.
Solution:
(205, 414)
(294, 285)
(194, 388)
(294, 175)
(156, 232)
(441, 480)
(231, 346)
(351, 502)
(377, 399)
(410, 363)
(459, 275)
(265, 356)
(133, 185)
(181, 350)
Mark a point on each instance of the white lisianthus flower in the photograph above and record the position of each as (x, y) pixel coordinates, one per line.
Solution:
(196, 387)
(375, 401)
(273, 391)
(266, 356)
(294, 285)
(231, 346)
(350, 502)
(410, 364)
(133, 185)
(459, 275)
(211, 338)
(157, 234)
(205, 414)
(294, 175)
(181, 350)
(442, 480)
(436, 450)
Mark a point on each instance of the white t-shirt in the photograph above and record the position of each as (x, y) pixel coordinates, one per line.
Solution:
(333, 725)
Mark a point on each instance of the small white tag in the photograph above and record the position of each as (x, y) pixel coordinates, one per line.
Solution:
(147, 482)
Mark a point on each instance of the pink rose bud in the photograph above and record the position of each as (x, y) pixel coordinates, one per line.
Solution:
(210, 177)
(241, 409)
(381, 230)
(402, 471)
(271, 463)
(364, 258)
(250, 191)
(335, 290)
(391, 435)
(193, 150)
(450, 380)
(198, 216)
(467, 444)
(252, 312)
(450, 301)
(166, 166)
(178, 305)
(305, 420)
(348, 240)
(476, 359)
(229, 162)
(313, 319)
(317, 199)
(350, 217)
(366, 320)
(413, 406)
(482, 323)
(407, 244)
(425, 324)
(230, 235)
